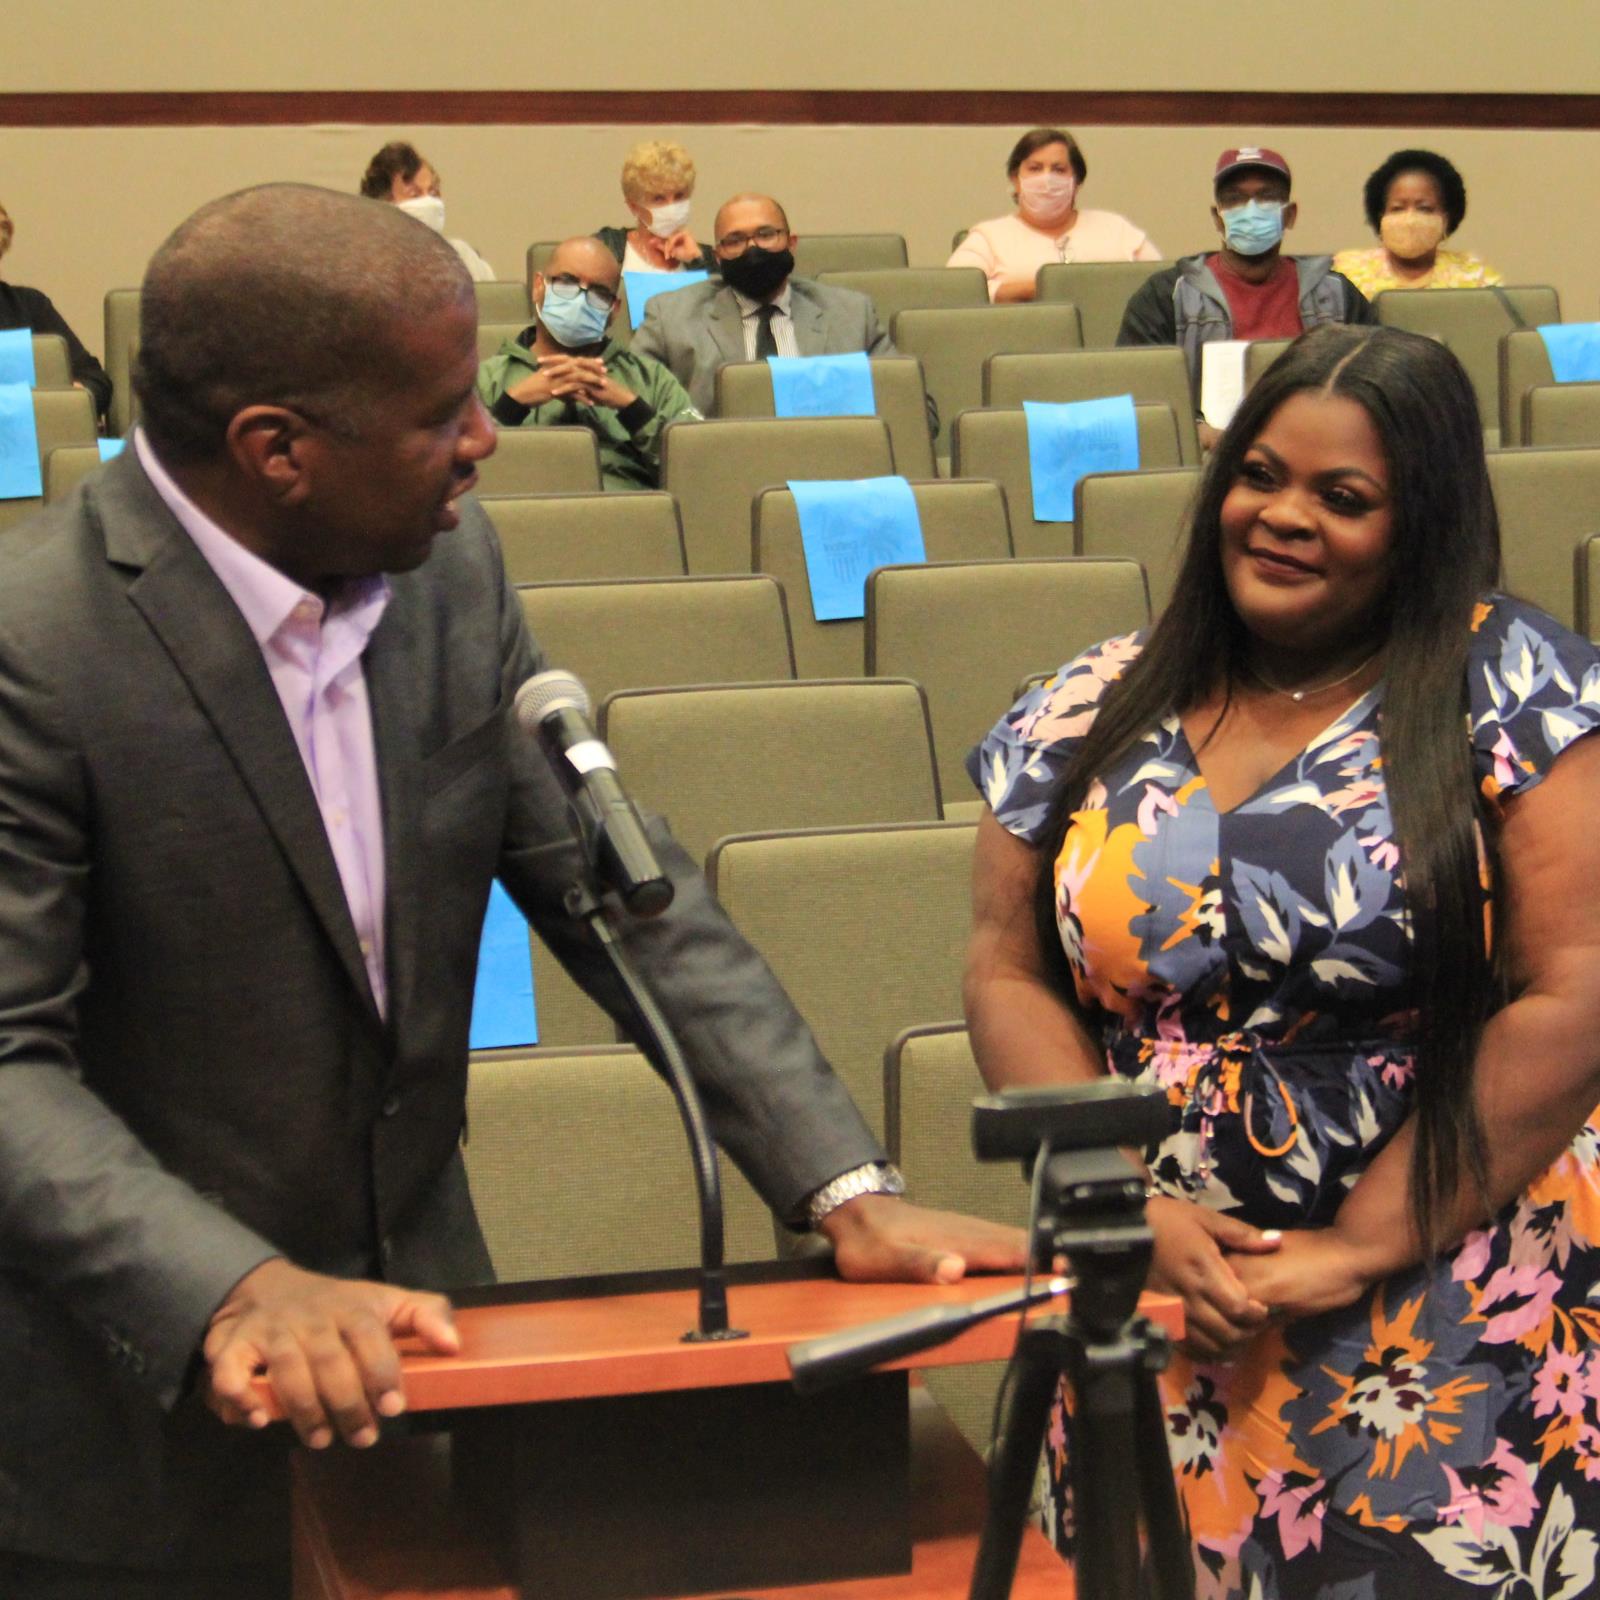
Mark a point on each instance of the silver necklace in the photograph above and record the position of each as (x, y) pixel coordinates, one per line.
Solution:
(1297, 695)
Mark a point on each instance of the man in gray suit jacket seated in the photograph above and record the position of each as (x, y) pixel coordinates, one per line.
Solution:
(259, 772)
(758, 308)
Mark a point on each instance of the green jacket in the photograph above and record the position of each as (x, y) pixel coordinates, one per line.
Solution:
(629, 440)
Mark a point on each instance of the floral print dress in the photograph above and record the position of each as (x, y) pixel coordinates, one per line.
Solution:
(1441, 1437)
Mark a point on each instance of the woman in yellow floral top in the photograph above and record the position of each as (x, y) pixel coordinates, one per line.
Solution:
(1414, 202)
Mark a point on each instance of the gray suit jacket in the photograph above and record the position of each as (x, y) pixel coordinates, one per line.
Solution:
(193, 1072)
(696, 330)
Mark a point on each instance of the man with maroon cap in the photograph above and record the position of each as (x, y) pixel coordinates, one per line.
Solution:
(1248, 289)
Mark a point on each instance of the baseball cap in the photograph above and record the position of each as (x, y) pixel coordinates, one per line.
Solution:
(1250, 155)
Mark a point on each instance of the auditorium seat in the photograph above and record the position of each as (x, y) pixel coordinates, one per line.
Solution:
(560, 538)
(1549, 502)
(1586, 565)
(715, 468)
(492, 335)
(65, 467)
(1152, 374)
(1472, 322)
(1259, 354)
(896, 289)
(1561, 413)
(968, 630)
(122, 339)
(1099, 289)
(866, 928)
(744, 389)
(52, 367)
(541, 461)
(994, 444)
(929, 1082)
(60, 417)
(1524, 364)
(1140, 515)
(816, 253)
(953, 342)
(962, 520)
(751, 758)
(503, 300)
(654, 632)
(578, 1165)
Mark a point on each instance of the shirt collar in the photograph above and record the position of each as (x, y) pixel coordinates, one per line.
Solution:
(749, 307)
(265, 597)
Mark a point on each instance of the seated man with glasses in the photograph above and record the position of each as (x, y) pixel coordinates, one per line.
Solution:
(757, 309)
(566, 370)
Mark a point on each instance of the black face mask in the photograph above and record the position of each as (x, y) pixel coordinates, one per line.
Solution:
(757, 273)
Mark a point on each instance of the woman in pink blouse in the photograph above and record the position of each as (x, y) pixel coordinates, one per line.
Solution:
(1046, 169)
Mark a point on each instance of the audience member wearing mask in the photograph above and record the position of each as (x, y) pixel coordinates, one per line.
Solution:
(756, 308)
(398, 173)
(1046, 169)
(1414, 202)
(1247, 289)
(657, 187)
(32, 309)
(565, 370)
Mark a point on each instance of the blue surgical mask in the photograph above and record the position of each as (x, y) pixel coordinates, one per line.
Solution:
(1253, 228)
(570, 319)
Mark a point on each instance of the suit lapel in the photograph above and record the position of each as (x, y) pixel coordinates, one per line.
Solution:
(806, 315)
(726, 326)
(186, 606)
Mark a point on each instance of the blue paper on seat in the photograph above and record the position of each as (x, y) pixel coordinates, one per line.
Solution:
(643, 287)
(822, 386)
(111, 448)
(1068, 441)
(1574, 349)
(16, 356)
(19, 444)
(502, 1002)
(848, 529)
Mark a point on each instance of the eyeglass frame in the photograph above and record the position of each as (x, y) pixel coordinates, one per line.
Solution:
(568, 286)
(767, 235)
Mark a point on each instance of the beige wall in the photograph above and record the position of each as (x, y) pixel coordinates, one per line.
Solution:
(1537, 46)
(90, 204)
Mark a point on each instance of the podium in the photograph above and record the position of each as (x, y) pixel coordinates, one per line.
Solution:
(578, 1439)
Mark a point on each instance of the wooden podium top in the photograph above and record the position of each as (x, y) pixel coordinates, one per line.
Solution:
(578, 1339)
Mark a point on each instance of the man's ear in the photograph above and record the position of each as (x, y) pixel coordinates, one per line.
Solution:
(1217, 222)
(270, 446)
(1290, 212)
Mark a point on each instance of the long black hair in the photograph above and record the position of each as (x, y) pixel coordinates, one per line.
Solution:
(1445, 553)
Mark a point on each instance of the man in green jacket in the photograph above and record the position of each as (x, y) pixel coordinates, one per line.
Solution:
(565, 370)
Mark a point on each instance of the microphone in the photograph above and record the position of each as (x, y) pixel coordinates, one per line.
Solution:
(553, 707)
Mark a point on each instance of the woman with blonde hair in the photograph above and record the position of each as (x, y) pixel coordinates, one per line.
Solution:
(657, 186)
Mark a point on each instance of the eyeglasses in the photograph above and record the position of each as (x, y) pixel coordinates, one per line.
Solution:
(565, 287)
(732, 244)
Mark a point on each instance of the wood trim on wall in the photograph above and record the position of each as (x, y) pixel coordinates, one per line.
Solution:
(954, 107)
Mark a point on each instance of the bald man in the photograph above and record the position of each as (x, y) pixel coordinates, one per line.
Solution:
(565, 370)
(257, 776)
(759, 307)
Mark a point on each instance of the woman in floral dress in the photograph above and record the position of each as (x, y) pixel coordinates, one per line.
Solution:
(1320, 857)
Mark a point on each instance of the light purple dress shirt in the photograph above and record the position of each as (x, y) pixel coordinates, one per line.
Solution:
(313, 649)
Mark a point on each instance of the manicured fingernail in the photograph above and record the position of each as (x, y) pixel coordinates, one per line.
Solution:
(363, 1438)
(1272, 1235)
(320, 1438)
(259, 1419)
(391, 1403)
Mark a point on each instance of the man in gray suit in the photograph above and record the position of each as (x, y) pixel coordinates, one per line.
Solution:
(757, 309)
(256, 774)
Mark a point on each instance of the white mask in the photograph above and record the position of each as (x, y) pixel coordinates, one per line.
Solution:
(428, 209)
(667, 220)
(1049, 195)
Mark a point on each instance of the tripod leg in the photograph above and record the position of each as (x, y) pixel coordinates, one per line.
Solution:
(1016, 1460)
(1171, 1556)
(1105, 1474)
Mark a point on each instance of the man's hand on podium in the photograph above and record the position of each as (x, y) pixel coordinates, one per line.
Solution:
(881, 1237)
(327, 1345)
